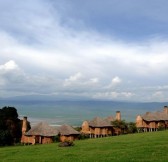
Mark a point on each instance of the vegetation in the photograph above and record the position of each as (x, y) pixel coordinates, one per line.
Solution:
(161, 127)
(138, 147)
(10, 126)
(125, 127)
(66, 144)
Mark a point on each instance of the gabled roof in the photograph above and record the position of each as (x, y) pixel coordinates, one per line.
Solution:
(99, 122)
(155, 116)
(42, 129)
(67, 130)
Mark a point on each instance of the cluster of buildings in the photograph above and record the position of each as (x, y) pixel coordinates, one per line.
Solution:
(98, 127)
(43, 133)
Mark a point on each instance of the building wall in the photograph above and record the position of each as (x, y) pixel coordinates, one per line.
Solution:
(64, 138)
(154, 125)
(45, 140)
(85, 127)
(101, 131)
(139, 121)
(28, 139)
(36, 139)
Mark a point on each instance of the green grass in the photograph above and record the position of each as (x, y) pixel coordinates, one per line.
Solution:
(142, 147)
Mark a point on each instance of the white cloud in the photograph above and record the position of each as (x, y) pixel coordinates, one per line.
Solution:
(113, 95)
(45, 55)
(8, 66)
(116, 80)
(79, 84)
(94, 80)
(10, 77)
(158, 95)
(73, 79)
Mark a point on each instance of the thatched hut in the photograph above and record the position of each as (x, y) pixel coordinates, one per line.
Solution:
(41, 133)
(99, 127)
(151, 121)
(67, 133)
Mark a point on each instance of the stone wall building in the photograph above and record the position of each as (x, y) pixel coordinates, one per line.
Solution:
(152, 121)
(67, 133)
(99, 127)
(41, 133)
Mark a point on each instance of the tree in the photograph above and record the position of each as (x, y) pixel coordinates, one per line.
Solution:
(132, 127)
(8, 113)
(125, 127)
(10, 126)
(120, 125)
(5, 138)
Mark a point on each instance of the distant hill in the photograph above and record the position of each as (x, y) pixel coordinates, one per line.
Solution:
(56, 98)
(73, 112)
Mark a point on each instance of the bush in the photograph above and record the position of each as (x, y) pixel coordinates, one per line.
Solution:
(56, 139)
(66, 144)
(5, 138)
(132, 127)
(83, 136)
(161, 127)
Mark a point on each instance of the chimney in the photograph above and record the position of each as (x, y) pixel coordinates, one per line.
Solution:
(24, 125)
(118, 115)
(165, 110)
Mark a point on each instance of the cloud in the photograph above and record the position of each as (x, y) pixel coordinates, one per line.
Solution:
(10, 71)
(72, 79)
(116, 18)
(11, 76)
(94, 80)
(10, 65)
(113, 95)
(158, 94)
(115, 81)
(44, 54)
(80, 84)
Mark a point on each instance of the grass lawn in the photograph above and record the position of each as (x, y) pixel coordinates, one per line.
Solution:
(142, 147)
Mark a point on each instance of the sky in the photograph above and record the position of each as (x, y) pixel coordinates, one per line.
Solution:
(92, 49)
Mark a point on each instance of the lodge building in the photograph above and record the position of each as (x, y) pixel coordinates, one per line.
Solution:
(43, 133)
(99, 127)
(152, 121)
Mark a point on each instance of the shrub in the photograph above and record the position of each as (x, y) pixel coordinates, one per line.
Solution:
(83, 136)
(56, 138)
(66, 144)
(161, 127)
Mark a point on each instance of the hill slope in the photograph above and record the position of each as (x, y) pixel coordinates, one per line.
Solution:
(140, 147)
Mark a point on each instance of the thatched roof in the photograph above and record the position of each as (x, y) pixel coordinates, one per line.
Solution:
(67, 130)
(99, 122)
(110, 119)
(155, 116)
(42, 129)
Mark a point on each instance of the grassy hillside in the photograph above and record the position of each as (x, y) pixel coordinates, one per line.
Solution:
(142, 147)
